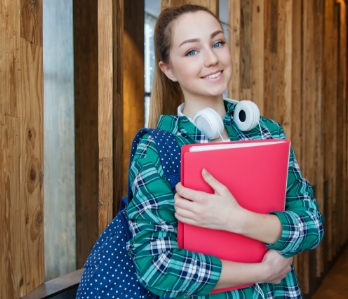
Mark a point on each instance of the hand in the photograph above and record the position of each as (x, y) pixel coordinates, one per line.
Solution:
(216, 211)
(276, 266)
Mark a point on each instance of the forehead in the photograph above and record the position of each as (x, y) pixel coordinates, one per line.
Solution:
(194, 25)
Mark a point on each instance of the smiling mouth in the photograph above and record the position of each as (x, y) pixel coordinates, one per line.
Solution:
(213, 76)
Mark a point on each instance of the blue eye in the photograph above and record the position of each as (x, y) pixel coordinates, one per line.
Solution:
(218, 44)
(191, 53)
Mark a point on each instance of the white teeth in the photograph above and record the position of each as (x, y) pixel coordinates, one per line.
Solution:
(213, 75)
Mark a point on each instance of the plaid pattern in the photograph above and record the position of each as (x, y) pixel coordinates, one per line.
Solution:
(173, 273)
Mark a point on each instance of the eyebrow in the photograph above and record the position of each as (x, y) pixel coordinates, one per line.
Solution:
(194, 40)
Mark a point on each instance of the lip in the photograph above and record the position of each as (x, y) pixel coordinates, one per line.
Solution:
(212, 73)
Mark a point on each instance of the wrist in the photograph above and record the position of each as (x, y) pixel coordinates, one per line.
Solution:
(265, 271)
(238, 221)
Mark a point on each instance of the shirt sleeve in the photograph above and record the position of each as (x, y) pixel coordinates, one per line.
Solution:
(302, 222)
(161, 266)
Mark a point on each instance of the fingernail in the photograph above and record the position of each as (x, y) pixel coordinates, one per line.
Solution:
(205, 172)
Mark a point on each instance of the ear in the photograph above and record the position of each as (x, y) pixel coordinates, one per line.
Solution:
(167, 70)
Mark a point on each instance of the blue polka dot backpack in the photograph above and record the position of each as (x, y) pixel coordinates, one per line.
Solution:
(109, 271)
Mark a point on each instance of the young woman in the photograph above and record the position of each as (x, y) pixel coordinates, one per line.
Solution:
(193, 66)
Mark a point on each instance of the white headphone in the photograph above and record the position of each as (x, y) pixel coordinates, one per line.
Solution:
(246, 116)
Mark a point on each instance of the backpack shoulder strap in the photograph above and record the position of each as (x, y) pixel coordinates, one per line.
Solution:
(169, 152)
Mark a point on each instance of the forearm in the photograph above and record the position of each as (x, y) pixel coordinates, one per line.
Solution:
(234, 274)
(263, 227)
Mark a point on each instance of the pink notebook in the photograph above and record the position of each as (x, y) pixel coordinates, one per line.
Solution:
(256, 174)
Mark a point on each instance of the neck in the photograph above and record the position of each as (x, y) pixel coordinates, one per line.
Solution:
(192, 106)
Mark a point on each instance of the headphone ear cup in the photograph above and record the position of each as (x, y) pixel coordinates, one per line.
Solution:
(209, 122)
(256, 114)
(246, 115)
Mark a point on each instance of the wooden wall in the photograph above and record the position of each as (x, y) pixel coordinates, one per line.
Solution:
(213, 5)
(110, 108)
(86, 126)
(289, 57)
(133, 77)
(21, 143)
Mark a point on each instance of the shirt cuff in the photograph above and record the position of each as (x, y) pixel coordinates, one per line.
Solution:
(214, 277)
(290, 235)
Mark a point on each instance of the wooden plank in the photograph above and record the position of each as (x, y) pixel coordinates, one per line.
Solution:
(133, 84)
(21, 111)
(31, 176)
(291, 14)
(105, 112)
(234, 16)
(10, 213)
(110, 110)
(212, 5)
(54, 287)
(258, 53)
(296, 70)
(31, 21)
(341, 173)
(312, 103)
(319, 13)
(9, 58)
(245, 43)
(346, 126)
(343, 87)
(86, 129)
(329, 121)
(274, 61)
(118, 25)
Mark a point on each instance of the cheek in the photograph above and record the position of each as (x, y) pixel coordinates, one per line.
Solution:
(227, 58)
(187, 69)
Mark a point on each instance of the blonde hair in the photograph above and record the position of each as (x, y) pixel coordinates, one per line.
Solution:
(167, 95)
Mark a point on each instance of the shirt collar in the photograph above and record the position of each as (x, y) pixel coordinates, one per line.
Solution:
(182, 126)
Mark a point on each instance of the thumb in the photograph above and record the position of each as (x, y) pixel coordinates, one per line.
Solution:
(212, 182)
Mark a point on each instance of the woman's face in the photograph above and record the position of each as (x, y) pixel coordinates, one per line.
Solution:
(200, 59)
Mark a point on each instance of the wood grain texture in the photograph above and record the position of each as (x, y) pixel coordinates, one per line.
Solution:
(9, 58)
(133, 78)
(105, 114)
(118, 39)
(21, 143)
(294, 131)
(31, 21)
(296, 79)
(32, 176)
(246, 43)
(58, 288)
(234, 37)
(341, 171)
(343, 77)
(213, 5)
(11, 211)
(110, 107)
(312, 113)
(257, 54)
(86, 126)
(329, 120)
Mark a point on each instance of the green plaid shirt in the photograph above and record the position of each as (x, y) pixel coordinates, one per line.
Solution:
(171, 272)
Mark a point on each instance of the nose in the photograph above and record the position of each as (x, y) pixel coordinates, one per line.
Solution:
(210, 58)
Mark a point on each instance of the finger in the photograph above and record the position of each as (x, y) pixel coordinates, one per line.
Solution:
(185, 217)
(213, 182)
(190, 194)
(178, 186)
(183, 203)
